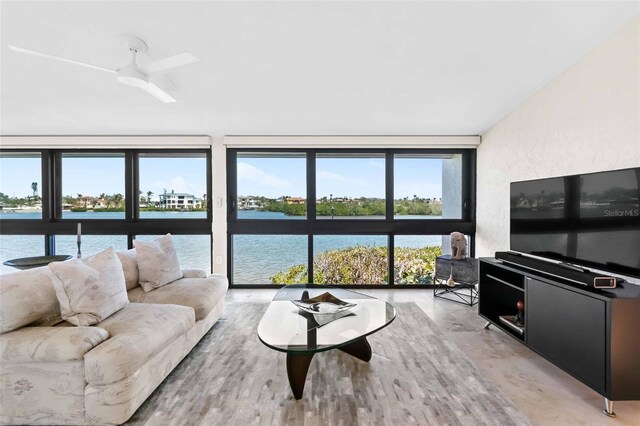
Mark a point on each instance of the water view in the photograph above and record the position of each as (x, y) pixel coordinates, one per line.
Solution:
(270, 186)
(257, 258)
(194, 251)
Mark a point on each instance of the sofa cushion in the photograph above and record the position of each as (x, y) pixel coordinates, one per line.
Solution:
(157, 262)
(28, 297)
(129, 267)
(50, 344)
(202, 294)
(137, 333)
(193, 273)
(91, 289)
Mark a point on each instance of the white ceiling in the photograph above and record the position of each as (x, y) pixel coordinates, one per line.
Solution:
(313, 68)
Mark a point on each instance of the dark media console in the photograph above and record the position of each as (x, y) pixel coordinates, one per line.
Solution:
(567, 272)
(588, 332)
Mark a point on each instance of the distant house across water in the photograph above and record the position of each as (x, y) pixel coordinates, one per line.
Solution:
(179, 200)
(248, 203)
(295, 200)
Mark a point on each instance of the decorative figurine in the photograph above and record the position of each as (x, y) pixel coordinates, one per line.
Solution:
(520, 314)
(458, 245)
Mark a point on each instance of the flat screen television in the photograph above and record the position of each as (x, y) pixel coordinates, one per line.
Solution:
(591, 220)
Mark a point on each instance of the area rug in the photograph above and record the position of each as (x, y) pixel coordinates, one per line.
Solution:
(416, 376)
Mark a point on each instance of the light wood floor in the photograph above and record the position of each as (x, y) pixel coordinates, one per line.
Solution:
(546, 394)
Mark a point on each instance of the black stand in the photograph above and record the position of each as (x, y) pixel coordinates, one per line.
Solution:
(463, 272)
(466, 294)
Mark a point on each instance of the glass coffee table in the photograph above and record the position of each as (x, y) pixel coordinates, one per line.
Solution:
(286, 328)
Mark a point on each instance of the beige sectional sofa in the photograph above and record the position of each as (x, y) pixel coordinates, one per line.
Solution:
(55, 373)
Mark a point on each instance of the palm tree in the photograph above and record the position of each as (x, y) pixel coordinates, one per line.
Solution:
(117, 199)
(149, 194)
(34, 187)
(80, 200)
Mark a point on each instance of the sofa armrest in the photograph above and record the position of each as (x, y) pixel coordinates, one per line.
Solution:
(55, 344)
(193, 273)
(219, 277)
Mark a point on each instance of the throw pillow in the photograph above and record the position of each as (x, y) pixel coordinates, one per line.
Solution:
(157, 262)
(90, 289)
(130, 268)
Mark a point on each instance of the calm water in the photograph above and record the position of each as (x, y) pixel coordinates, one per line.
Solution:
(256, 257)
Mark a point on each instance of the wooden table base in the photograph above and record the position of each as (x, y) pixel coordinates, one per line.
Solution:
(298, 364)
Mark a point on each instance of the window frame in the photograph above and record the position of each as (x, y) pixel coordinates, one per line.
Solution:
(389, 226)
(52, 223)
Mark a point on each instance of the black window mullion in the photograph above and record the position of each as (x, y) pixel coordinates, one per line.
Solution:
(45, 157)
(47, 194)
(132, 178)
(390, 257)
(132, 186)
(49, 245)
(230, 257)
(310, 258)
(389, 183)
(465, 208)
(56, 194)
(311, 185)
(470, 181)
(232, 185)
(133, 168)
(210, 200)
(389, 211)
(311, 208)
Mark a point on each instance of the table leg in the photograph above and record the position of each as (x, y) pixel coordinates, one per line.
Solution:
(359, 349)
(297, 367)
(608, 408)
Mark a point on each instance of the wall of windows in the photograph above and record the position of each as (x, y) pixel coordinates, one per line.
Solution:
(373, 217)
(117, 195)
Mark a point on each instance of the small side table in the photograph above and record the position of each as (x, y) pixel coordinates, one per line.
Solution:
(465, 275)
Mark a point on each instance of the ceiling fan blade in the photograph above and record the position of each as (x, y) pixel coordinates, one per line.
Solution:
(168, 63)
(59, 58)
(157, 92)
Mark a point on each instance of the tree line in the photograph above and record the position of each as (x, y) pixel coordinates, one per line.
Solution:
(357, 207)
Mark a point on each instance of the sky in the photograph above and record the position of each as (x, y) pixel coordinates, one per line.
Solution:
(93, 176)
(341, 177)
(269, 177)
(16, 175)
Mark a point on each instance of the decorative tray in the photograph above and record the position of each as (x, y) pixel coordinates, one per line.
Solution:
(324, 304)
(34, 262)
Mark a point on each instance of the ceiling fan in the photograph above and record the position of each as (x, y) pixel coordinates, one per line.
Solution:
(132, 74)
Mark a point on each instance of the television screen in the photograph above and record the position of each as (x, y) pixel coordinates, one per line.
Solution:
(591, 219)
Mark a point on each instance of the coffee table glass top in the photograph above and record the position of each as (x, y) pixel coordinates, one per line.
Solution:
(286, 328)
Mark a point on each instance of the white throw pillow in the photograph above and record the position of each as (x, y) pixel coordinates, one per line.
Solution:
(157, 262)
(90, 289)
(130, 268)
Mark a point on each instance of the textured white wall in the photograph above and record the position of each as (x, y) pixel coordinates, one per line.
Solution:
(585, 120)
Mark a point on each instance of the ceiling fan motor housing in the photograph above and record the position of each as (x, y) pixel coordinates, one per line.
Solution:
(132, 77)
